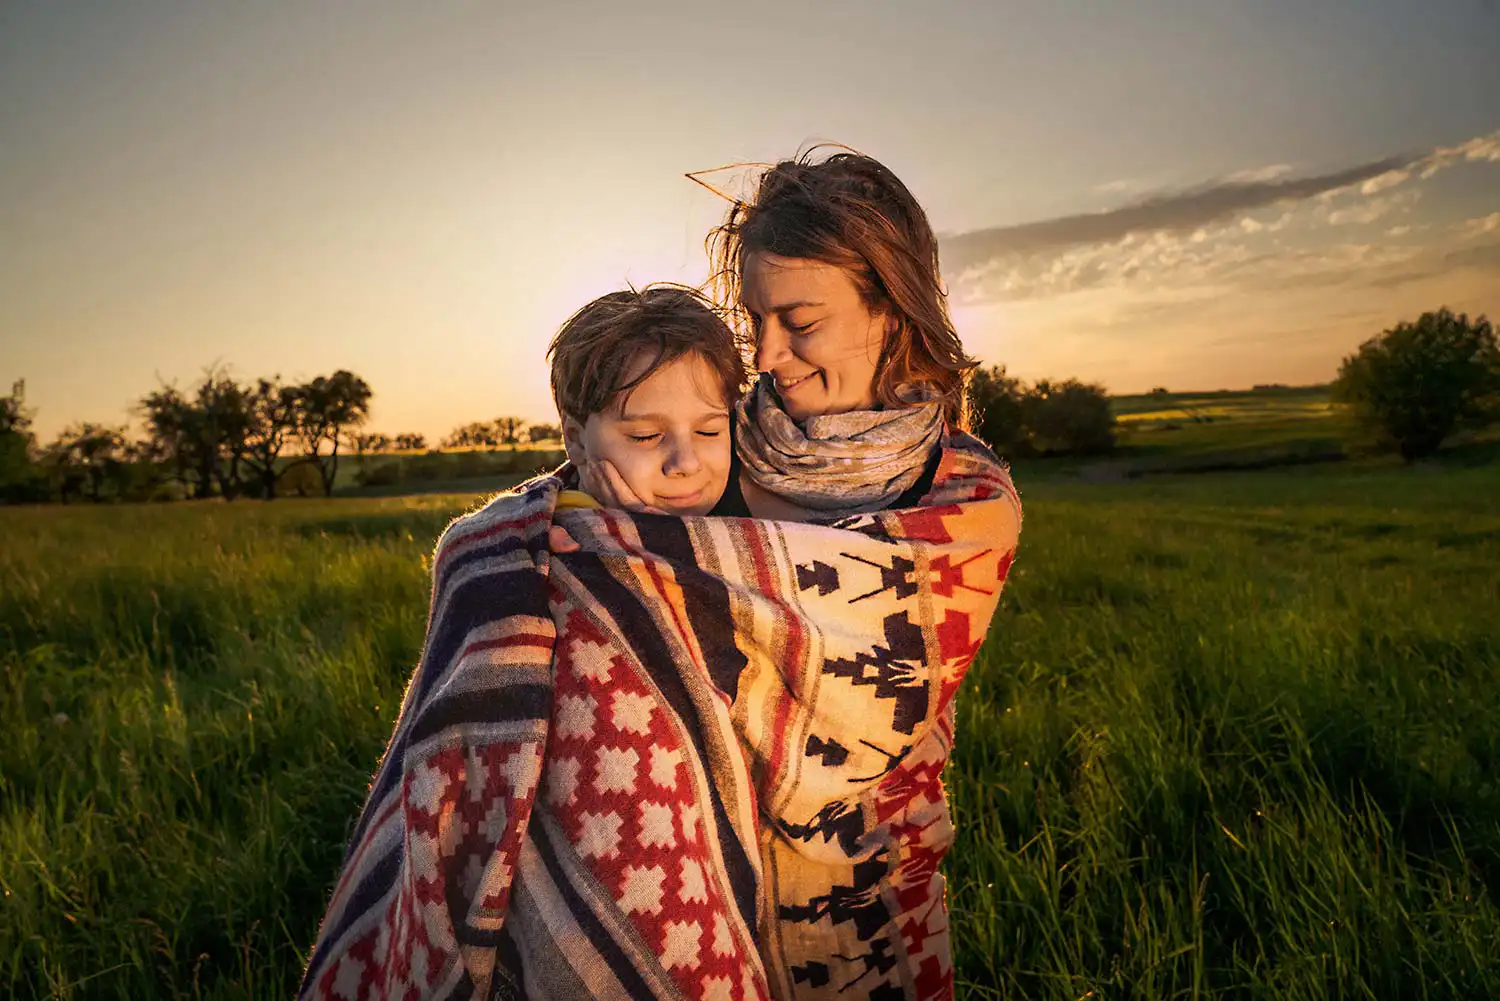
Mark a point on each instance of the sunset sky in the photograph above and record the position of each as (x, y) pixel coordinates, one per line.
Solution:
(1194, 193)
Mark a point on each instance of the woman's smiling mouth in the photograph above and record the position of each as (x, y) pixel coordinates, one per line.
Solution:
(783, 384)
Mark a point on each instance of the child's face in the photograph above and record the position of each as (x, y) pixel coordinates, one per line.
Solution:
(670, 442)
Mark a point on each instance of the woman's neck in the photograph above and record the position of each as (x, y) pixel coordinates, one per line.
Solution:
(764, 504)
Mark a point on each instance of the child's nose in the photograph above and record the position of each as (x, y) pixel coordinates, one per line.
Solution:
(682, 459)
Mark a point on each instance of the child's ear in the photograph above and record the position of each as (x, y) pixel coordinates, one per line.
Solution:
(573, 442)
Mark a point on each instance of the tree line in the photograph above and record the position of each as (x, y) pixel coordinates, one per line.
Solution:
(1408, 390)
(219, 437)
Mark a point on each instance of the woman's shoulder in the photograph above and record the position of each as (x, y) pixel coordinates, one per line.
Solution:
(968, 469)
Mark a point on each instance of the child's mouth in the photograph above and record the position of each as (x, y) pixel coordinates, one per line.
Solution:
(682, 500)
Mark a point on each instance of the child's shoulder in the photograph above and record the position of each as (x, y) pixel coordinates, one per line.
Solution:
(521, 511)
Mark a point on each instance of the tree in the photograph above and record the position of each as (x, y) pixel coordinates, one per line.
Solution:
(275, 412)
(411, 442)
(172, 428)
(544, 432)
(226, 428)
(366, 444)
(508, 430)
(87, 457)
(1069, 417)
(20, 479)
(995, 402)
(205, 439)
(331, 407)
(371, 443)
(1415, 384)
(478, 434)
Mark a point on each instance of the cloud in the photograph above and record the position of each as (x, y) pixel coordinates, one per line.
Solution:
(1180, 212)
(1478, 227)
(1194, 210)
(1486, 255)
(1370, 210)
(1225, 238)
(1480, 149)
(1259, 175)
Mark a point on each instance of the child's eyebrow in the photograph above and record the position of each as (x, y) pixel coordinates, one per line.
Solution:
(664, 418)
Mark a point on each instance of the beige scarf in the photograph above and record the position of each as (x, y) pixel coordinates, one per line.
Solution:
(853, 463)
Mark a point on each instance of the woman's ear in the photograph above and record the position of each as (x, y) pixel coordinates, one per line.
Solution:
(578, 455)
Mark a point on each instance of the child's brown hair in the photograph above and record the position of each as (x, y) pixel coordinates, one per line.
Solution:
(595, 351)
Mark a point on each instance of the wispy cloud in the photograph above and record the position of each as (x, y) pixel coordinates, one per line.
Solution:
(1231, 200)
(1480, 226)
(1180, 212)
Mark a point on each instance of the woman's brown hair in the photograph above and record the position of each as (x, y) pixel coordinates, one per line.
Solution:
(850, 211)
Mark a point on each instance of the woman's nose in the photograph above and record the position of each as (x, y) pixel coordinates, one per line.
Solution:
(772, 347)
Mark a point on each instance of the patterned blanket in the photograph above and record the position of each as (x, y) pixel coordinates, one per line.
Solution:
(696, 758)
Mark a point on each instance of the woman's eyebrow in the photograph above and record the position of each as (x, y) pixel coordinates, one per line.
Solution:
(800, 304)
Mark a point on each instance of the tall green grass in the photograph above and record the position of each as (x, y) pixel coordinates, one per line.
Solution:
(1237, 736)
(1232, 736)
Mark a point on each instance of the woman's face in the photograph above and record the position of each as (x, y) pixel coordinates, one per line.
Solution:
(813, 333)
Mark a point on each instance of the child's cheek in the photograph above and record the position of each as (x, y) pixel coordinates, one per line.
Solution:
(636, 468)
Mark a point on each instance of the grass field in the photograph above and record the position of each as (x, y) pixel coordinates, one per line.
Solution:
(1233, 735)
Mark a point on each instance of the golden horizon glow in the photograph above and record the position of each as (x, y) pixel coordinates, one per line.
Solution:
(422, 195)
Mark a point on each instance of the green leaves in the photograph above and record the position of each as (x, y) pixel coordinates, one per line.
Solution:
(1419, 382)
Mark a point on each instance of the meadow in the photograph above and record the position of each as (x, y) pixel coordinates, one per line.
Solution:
(1233, 735)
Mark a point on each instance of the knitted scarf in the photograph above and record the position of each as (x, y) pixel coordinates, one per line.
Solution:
(852, 463)
(696, 758)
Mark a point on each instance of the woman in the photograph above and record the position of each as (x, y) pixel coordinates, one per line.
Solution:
(833, 272)
(625, 760)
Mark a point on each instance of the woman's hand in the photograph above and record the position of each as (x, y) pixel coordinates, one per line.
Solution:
(602, 481)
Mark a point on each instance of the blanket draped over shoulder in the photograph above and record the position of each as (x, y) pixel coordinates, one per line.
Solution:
(696, 758)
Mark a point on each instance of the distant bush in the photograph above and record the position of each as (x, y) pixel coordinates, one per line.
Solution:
(1068, 418)
(1048, 418)
(995, 401)
(1417, 383)
(436, 466)
(300, 479)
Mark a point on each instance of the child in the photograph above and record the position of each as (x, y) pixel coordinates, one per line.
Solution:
(648, 380)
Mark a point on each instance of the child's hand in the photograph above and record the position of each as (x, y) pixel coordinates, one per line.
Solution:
(559, 541)
(605, 484)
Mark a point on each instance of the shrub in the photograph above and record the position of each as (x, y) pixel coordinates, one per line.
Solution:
(995, 403)
(1071, 417)
(1418, 382)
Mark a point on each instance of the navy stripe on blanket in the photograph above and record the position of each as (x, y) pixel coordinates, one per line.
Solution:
(706, 597)
(471, 605)
(578, 909)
